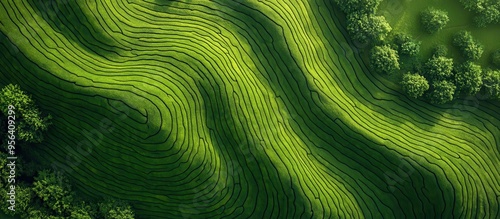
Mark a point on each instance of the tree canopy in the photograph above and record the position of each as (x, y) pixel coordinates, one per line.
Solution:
(442, 92)
(384, 59)
(54, 190)
(468, 78)
(406, 45)
(31, 121)
(358, 6)
(112, 209)
(414, 85)
(487, 12)
(43, 194)
(470, 48)
(367, 28)
(491, 83)
(439, 68)
(434, 20)
(440, 50)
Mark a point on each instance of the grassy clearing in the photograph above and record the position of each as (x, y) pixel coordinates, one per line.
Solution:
(404, 16)
(242, 109)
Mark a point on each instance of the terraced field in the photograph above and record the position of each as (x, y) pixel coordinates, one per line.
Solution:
(247, 109)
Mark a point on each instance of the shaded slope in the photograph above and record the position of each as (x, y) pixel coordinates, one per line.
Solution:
(243, 109)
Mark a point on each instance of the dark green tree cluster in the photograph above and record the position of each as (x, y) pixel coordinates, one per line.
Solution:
(439, 71)
(440, 50)
(367, 28)
(30, 123)
(491, 83)
(487, 12)
(384, 59)
(434, 20)
(439, 68)
(438, 79)
(48, 194)
(442, 92)
(471, 49)
(468, 78)
(406, 45)
(415, 85)
(362, 22)
(115, 209)
(358, 6)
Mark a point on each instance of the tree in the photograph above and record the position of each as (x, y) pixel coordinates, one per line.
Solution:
(442, 92)
(113, 209)
(468, 78)
(491, 83)
(31, 122)
(439, 68)
(410, 48)
(54, 190)
(406, 45)
(40, 213)
(490, 15)
(487, 12)
(384, 59)
(82, 211)
(358, 6)
(434, 20)
(414, 85)
(440, 50)
(24, 196)
(367, 28)
(495, 58)
(470, 48)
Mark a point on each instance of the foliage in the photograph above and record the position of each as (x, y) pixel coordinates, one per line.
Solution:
(358, 6)
(440, 50)
(40, 213)
(367, 28)
(54, 190)
(491, 83)
(50, 196)
(82, 211)
(31, 122)
(384, 59)
(470, 48)
(434, 20)
(406, 45)
(468, 78)
(113, 209)
(487, 12)
(414, 85)
(495, 58)
(410, 48)
(3, 171)
(442, 92)
(24, 197)
(439, 68)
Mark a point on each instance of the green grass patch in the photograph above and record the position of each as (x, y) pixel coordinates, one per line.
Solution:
(404, 16)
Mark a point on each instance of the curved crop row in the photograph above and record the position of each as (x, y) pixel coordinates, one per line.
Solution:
(241, 109)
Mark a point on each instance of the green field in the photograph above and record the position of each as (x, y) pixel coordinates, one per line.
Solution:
(243, 109)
